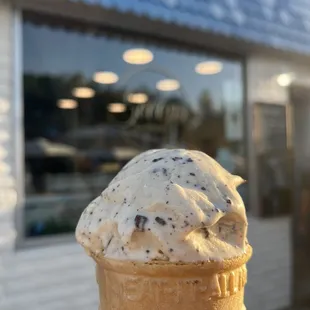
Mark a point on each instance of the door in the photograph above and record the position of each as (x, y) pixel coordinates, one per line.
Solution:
(300, 104)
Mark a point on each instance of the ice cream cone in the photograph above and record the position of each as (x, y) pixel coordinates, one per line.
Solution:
(213, 285)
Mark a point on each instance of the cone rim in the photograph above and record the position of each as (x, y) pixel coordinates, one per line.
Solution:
(178, 269)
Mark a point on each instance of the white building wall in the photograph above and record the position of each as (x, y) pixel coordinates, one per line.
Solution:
(262, 73)
(7, 171)
(262, 87)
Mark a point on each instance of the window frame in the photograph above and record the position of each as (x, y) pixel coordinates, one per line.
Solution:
(130, 34)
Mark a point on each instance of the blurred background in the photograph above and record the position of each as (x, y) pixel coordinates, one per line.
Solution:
(87, 85)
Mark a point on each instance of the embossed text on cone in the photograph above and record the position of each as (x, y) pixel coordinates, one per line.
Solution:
(162, 285)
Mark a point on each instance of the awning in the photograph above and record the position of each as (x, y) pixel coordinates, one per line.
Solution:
(234, 26)
(281, 24)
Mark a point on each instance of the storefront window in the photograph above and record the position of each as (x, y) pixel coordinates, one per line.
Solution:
(92, 102)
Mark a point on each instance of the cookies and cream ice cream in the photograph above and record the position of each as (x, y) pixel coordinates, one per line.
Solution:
(168, 205)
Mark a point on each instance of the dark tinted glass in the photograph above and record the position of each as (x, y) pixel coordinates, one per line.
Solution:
(88, 112)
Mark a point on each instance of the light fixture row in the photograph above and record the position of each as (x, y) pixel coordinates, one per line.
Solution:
(71, 104)
(136, 56)
(142, 56)
(164, 85)
(83, 92)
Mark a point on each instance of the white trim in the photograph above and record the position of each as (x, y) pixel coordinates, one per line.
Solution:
(18, 116)
(253, 199)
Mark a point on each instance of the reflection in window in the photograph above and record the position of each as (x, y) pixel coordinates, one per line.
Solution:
(90, 108)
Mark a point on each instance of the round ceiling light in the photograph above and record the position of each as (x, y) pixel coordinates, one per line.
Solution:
(83, 92)
(137, 98)
(116, 107)
(138, 56)
(168, 85)
(67, 104)
(285, 79)
(209, 67)
(105, 77)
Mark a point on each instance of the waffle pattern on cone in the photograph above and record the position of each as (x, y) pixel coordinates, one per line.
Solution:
(135, 286)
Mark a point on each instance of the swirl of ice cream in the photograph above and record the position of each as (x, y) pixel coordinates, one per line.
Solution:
(174, 205)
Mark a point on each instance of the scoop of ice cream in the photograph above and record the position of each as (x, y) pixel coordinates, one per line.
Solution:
(174, 205)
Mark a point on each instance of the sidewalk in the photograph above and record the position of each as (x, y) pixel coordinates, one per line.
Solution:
(269, 270)
(62, 277)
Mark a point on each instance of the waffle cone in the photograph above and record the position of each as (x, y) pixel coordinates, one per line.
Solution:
(127, 285)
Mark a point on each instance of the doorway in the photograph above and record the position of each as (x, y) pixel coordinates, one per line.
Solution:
(300, 107)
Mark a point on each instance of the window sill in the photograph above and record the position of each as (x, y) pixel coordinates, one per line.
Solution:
(44, 241)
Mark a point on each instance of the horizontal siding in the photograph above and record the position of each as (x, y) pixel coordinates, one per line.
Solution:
(6, 37)
(7, 230)
(62, 277)
(6, 218)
